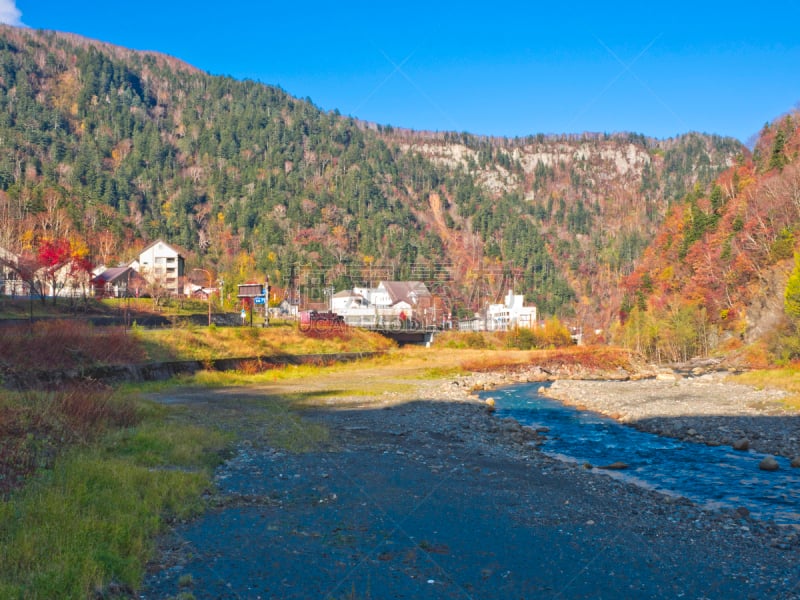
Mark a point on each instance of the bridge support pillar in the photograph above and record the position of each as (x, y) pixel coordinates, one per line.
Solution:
(428, 339)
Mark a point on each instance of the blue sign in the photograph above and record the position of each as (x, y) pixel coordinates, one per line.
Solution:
(259, 300)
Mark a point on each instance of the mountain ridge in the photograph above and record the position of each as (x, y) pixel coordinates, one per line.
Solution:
(251, 180)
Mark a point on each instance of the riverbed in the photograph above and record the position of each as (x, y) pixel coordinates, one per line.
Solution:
(711, 475)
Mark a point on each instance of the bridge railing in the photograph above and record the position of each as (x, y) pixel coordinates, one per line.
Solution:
(381, 323)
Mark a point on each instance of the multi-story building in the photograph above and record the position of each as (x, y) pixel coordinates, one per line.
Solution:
(161, 265)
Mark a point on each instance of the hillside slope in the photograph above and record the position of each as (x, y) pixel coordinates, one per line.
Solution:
(718, 265)
(115, 148)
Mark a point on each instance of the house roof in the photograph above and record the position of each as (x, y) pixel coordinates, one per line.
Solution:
(113, 274)
(160, 241)
(405, 291)
(347, 294)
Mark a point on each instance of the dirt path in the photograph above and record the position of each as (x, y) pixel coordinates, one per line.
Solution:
(417, 492)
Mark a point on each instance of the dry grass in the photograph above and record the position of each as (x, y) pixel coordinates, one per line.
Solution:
(205, 343)
(786, 379)
(592, 357)
(65, 344)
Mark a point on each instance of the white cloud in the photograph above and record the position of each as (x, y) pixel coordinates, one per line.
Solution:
(9, 13)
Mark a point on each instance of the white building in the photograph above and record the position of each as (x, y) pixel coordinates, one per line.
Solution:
(70, 279)
(347, 300)
(10, 283)
(161, 264)
(387, 304)
(512, 313)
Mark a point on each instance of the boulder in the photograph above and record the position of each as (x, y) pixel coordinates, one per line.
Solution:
(741, 444)
(768, 463)
(796, 462)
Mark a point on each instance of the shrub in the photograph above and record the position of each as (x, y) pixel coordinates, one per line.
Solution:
(35, 426)
(63, 344)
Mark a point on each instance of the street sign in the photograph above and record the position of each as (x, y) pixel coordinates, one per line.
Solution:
(259, 300)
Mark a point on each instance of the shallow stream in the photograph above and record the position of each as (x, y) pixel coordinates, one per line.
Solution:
(711, 476)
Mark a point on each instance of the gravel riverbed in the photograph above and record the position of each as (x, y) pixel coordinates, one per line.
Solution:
(704, 409)
(426, 494)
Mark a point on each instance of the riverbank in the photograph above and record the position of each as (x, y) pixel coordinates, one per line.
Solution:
(421, 492)
(709, 408)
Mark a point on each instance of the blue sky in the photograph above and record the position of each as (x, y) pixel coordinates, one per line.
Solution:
(506, 69)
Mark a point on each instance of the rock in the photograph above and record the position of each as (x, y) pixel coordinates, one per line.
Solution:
(615, 466)
(769, 464)
(741, 444)
(796, 462)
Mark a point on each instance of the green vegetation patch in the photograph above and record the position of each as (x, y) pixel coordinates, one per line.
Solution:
(102, 476)
(88, 522)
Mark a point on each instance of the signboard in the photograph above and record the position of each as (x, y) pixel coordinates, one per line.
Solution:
(250, 290)
(259, 300)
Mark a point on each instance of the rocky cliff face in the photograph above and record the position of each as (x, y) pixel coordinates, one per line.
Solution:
(598, 200)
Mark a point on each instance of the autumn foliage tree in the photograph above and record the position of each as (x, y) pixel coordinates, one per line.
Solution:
(62, 262)
(791, 297)
(716, 253)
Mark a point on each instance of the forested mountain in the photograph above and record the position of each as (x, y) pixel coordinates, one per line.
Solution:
(717, 270)
(112, 148)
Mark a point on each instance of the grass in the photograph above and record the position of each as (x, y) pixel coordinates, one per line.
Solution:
(36, 425)
(280, 373)
(102, 477)
(786, 379)
(205, 343)
(89, 521)
(595, 357)
(106, 470)
(65, 344)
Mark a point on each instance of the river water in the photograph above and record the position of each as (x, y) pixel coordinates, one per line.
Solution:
(710, 476)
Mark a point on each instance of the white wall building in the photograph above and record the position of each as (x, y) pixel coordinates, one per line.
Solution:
(385, 305)
(510, 314)
(161, 264)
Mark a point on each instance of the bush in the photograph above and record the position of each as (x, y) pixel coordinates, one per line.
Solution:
(522, 338)
(477, 340)
(36, 426)
(553, 335)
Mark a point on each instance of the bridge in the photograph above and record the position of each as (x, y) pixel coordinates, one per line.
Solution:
(406, 336)
(409, 331)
